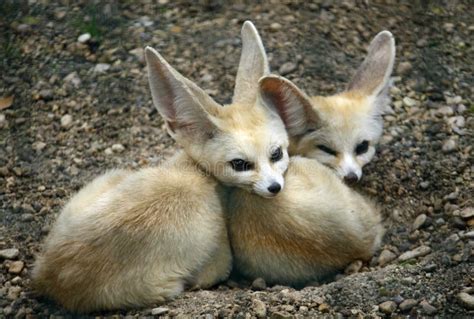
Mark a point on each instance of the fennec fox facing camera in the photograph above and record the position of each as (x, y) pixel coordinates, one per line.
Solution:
(130, 239)
(342, 130)
(316, 226)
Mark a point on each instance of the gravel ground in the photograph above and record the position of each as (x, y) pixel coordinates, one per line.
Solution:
(81, 106)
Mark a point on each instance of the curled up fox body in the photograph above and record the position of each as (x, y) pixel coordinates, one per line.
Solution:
(130, 239)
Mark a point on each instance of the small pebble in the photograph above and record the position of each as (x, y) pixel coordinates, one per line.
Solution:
(260, 308)
(385, 257)
(287, 68)
(66, 121)
(417, 252)
(118, 148)
(16, 267)
(159, 311)
(101, 67)
(388, 307)
(409, 102)
(449, 146)
(466, 300)
(407, 304)
(427, 308)
(259, 284)
(9, 253)
(467, 213)
(83, 38)
(419, 221)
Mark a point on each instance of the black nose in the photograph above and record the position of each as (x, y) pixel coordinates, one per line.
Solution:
(351, 178)
(274, 188)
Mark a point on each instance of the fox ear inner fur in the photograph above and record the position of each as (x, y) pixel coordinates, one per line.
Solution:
(252, 66)
(289, 102)
(185, 107)
(372, 77)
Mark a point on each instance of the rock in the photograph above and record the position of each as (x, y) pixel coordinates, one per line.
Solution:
(13, 293)
(159, 311)
(354, 267)
(324, 307)
(101, 67)
(404, 68)
(39, 146)
(445, 110)
(83, 38)
(415, 253)
(388, 307)
(259, 284)
(27, 217)
(409, 102)
(260, 308)
(424, 185)
(108, 151)
(66, 121)
(385, 257)
(46, 94)
(419, 221)
(466, 300)
(427, 308)
(138, 53)
(287, 68)
(449, 146)
(16, 267)
(73, 79)
(281, 315)
(118, 148)
(275, 26)
(467, 213)
(9, 253)
(448, 27)
(407, 304)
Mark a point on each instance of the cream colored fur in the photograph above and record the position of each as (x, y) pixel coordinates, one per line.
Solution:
(314, 227)
(131, 239)
(343, 121)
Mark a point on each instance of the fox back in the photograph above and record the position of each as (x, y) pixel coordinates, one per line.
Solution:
(315, 227)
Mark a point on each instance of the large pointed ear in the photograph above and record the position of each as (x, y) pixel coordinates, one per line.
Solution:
(373, 75)
(253, 65)
(289, 102)
(185, 107)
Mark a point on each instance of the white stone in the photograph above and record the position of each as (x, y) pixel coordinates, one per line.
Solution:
(101, 67)
(66, 121)
(83, 38)
(9, 253)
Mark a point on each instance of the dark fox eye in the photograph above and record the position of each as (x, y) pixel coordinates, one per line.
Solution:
(241, 165)
(362, 147)
(328, 150)
(277, 154)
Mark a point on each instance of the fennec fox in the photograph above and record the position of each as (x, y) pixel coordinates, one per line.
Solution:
(341, 131)
(130, 239)
(313, 228)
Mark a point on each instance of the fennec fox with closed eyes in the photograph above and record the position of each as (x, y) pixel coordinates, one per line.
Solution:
(131, 239)
(342, 130)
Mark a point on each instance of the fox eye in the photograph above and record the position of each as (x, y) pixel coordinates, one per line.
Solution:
(277, 154)
(240, 165)
(362, 147)
(328, 150)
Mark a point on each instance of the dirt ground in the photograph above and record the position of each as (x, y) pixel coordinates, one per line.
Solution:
(79, 109)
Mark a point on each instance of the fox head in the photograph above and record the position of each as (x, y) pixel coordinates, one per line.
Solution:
(342, 130)
(242, 144)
